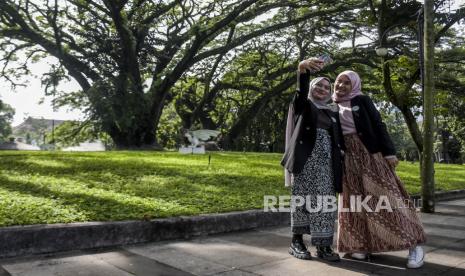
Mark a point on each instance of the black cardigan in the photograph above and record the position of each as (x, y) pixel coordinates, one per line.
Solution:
(303, 138)
(370, 127)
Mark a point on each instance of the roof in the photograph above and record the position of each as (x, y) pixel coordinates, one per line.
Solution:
(35, 124)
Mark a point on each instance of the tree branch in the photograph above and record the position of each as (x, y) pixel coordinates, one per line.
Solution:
(241, 40)
(129, 59)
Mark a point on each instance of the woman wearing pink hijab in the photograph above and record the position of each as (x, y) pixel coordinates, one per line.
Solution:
(370, 160)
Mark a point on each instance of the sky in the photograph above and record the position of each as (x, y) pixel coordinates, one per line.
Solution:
(25, 100)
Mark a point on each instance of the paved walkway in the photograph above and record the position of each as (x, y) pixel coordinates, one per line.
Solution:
(258, 252)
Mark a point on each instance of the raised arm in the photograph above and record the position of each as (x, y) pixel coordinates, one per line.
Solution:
(305, 69)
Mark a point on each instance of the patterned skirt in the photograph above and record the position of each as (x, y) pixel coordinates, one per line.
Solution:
(316, 179)
(370, 177)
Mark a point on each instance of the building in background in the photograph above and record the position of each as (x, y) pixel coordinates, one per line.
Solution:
(37, 134)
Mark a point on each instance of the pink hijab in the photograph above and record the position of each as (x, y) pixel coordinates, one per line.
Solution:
(356, 86)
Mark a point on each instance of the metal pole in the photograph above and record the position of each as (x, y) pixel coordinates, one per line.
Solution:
(427, 166)
(53, 132)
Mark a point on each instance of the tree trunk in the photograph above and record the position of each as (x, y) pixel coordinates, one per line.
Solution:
(141, 135)
(206, 121)
(126, 141)
(243, 122)
(427, 166)
(247, 116)
(412, 126)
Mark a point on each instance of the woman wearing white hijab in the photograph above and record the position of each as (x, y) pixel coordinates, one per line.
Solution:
(312, 162)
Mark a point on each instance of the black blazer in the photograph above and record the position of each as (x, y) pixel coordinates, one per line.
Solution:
(303, 138)
(370, 128)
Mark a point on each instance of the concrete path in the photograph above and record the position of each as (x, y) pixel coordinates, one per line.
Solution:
(259, 252)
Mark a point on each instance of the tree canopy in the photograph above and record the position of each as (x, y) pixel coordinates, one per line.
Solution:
(147, 68)
(127, 55)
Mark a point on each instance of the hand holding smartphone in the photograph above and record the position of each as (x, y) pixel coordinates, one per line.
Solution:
(315, 64)
(326, 58)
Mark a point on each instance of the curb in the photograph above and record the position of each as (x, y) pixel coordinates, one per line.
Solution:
(445, 195)
(16, 241)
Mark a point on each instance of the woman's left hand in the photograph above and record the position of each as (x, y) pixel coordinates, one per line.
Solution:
(312, 64)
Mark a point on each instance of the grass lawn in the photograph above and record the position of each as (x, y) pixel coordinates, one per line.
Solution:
(44, 187)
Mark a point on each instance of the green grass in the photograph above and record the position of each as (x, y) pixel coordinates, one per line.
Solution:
(44, 187)
(447, 176)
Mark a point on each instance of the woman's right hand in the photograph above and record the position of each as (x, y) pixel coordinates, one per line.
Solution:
(312, 64)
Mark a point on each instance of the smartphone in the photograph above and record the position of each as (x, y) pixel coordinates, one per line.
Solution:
(326, 58)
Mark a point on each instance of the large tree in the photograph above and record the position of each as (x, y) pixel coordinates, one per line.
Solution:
(126, 55)
(246, 93)
(401, 70)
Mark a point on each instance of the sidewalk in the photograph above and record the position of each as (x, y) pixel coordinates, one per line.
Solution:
(259, 252)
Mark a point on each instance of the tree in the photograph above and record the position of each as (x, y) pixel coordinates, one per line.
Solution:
(395, 124)
(126, 55)
(6, 117)
(257, 79)
(400, 71)
(450, 98)
(401, 86)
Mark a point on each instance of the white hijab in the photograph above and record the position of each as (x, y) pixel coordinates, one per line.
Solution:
(320, 104)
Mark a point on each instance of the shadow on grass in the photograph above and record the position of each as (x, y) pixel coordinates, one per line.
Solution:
(89, 204)
(133, 170)
(183, 191)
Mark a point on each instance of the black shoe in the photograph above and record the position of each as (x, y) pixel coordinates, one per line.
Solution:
(327, 254)
(299, 250)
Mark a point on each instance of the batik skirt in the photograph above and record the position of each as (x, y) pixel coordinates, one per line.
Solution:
(390, 222)
(315, 180)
